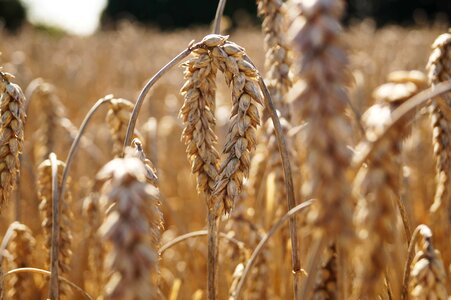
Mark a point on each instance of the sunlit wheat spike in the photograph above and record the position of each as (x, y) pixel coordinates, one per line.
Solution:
(198, 115)
(44, 185)
(117, 119)
(319, 98)
(242, 77)
(439, 67)
(21, 248)
(12, 120)
(132, 226)
(94, 216)
(377, 185)
(277, 58)
(428, 275)
(45, 96)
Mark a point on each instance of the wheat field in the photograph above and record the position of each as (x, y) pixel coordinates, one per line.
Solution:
(342, 193)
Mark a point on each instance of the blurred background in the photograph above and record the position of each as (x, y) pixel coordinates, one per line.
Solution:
(85, 16)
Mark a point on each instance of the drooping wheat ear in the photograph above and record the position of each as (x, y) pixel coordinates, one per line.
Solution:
(96, 256)
(439, 67)
(198, 115)
(427, 276)
(242, 76)
(48, 121)
(21, 248)
(44, 185)
(133, 227)
(277, 59)
(320, 99)
(137, 151)
(11, 134)
(117, 119)
(326, 285)
(376, 185)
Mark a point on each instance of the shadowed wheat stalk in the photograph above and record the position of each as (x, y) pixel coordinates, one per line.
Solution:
(133, 227)
(11, 134)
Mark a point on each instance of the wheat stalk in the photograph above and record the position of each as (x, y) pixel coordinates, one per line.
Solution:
(11, 134)
(133, 228)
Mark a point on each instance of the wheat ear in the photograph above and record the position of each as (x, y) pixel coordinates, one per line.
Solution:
(427, 276)
(376, 185)
(278, 54)
(45, 196)
(21, 248)
(11, 134)
(133, 228)
(198, 116)
(117, 117)
(320, 99)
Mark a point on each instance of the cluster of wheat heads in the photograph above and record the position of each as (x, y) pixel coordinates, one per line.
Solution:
(342, 193)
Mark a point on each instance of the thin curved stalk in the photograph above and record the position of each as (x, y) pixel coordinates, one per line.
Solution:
(239, 244)
(76, 142)
(47, 273)
(56, 209)
(148, 86)
(405, 108)
(218, 16)
(250, 263)
(295, 260)
(424, 230)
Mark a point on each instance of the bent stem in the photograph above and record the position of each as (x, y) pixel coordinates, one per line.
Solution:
(424, 231)
(54, 282)
(250, 263)
(295, 260)
(47, 273)
(76, 142)
(148, 86)
(218, 16)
